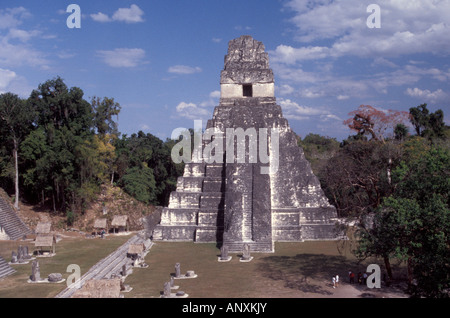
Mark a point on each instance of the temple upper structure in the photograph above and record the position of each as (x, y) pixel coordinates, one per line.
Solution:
(246, 71)
(252, 184)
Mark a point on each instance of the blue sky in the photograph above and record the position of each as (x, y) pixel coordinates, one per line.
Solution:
(161, 60)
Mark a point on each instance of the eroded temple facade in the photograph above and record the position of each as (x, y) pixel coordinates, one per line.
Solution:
(254, 203)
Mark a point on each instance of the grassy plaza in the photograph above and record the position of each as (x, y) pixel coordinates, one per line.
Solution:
(295, 270)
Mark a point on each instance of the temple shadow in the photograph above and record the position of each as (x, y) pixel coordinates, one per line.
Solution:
(302, 271)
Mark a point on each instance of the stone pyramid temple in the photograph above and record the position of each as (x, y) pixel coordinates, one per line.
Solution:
(233, 201)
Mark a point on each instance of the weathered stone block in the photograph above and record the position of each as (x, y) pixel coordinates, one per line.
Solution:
(174, 233)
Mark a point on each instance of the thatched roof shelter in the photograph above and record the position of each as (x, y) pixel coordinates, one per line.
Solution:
(100, 223)
(45, 242)
(43, 228)
(103, 288)
(135, 249)
(120, 221)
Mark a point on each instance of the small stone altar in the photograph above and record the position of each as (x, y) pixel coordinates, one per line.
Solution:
(178, 275)
(167, 292)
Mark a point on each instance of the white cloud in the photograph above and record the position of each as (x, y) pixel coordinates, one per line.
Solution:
(308, 93)
(433, 72)
(212, 101)
(297, 74)
(407, 27)
(123, 57)
(330, 117)
(133, 14)
(14, 47)
(426, 94)
(6, 76)
(10, 81)
(380, 61)
(320, 82)
(289, 55)
(129, 15)
(184, 69)
(342, 97)
(12, 55)
(293, 110)
(101, 17)
(201, 111)
(22, 35)
(65, 55)
(284, 89)
(12, 17)
(192, 111)
(215, 94)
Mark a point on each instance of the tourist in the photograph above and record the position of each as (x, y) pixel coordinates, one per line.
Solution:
(352, 278)
(365, 278)
(337, 280)
(334, 282)
(360, 278)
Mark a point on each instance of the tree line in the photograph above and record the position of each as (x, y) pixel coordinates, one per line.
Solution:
(395, 184)
(57, 149)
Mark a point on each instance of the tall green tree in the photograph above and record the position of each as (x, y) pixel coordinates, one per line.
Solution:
(389, 234)
(318, 150)
(66, 120)
(104, 112)
(16, 117)
(400, 132)
(140, 183)
(413, 224)
(357, 178)
(427, 124)
(145, 150)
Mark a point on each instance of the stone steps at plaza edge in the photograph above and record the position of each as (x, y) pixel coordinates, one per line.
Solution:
(11, 222)
(5, 269)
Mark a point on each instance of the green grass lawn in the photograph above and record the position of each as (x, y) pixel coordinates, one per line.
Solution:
(80, 251)
(295, 269)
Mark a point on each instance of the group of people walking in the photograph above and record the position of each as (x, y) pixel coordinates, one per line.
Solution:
(335, 281)
(361, 278)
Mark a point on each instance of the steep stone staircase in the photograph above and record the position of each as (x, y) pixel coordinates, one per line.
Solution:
(11, 222)
(5, 269)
